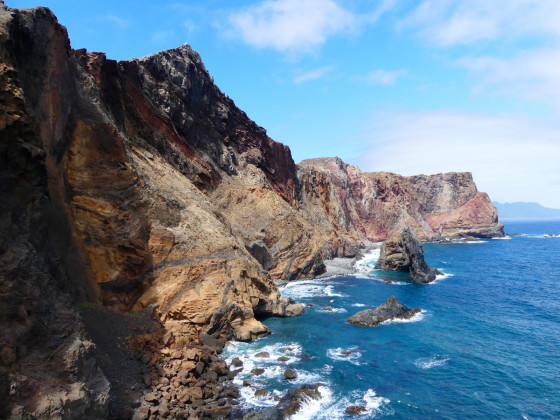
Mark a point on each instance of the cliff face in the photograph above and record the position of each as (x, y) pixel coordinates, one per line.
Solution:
(139, 183)
(373, 206)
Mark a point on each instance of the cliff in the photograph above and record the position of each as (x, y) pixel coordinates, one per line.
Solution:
(374, 206)
(137, 185)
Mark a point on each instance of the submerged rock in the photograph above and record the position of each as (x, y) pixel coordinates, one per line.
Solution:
(404, 253)
(390, 309)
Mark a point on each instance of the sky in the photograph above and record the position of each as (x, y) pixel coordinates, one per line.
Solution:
(412, 87)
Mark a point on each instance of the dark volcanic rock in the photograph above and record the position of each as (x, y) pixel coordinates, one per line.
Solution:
(290, 374)
(390, 309)
(355, 410)
(404, 253)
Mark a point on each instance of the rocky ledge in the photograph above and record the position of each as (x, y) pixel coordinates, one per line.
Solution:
(404, 253)
(390, 309)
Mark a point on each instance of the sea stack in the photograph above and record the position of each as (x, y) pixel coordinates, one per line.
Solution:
(390, 309)
(404, 253)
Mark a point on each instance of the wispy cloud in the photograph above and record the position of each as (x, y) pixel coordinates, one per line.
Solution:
(116, 21)
(162, 36)
(313, 74)
(529, 74)
(512, 157)
(460, 22)
(382, 77)
(291, 25)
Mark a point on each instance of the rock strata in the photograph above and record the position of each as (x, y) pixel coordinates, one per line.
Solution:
(404, 253)
(390, 309)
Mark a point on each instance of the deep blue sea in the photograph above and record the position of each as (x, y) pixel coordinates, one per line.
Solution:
(487, 344)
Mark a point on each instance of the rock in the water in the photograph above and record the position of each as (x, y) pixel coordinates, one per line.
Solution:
(288, 405)
(390, 309)
(404, 253)
(257, 371)
(261, 393)
(263, 354)
(290, 374)
(355, 410)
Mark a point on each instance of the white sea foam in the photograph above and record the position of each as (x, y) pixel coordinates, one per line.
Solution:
(417, 317)
(431, 362)
(312, 408)
(505, 237)
(329, 291)
(374, 402)
(359, 305)
(441, 276)
(352, 356)
(367, 262)
(309, 288)
(333, 310)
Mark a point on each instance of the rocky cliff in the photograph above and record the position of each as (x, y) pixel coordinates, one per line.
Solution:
(373, 206)
(138, 185)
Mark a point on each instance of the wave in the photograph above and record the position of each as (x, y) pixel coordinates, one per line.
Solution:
(373, 404)
(328, 309)
(417, 317)
(359, 305)
(309, 288)
(505, 237)
(347, 355)
(431, 362)
(367, 262)
(441, 276)
(311, 408)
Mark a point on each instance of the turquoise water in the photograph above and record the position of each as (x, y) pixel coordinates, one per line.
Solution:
(487, 344)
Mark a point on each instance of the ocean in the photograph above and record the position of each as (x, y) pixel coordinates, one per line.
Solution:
(486, 344)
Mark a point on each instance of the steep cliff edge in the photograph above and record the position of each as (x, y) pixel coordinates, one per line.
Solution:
(139, 184)
(374, 206)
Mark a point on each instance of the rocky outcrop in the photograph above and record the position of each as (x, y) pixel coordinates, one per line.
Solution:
(374, 206)
(390, 309)
(404, 253)
(289, 404)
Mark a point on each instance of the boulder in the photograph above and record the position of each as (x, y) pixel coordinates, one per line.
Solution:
(355, 410)
(404, 253)
(390, 309)
(290, 374)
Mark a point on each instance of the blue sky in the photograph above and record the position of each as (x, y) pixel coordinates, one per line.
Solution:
(411, 87)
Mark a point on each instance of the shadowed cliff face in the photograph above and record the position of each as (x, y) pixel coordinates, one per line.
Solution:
(140, 183)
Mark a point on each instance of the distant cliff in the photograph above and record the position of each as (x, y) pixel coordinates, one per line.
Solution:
(523, 210)
(137, 183)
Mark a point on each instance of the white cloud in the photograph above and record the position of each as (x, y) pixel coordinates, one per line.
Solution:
(530, 74)
(312, 74)
(513, 158)
(383, 77)
(455, 22)
(291, 25)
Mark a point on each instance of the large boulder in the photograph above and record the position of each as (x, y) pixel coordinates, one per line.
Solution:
(390, 309)
(404, 253)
